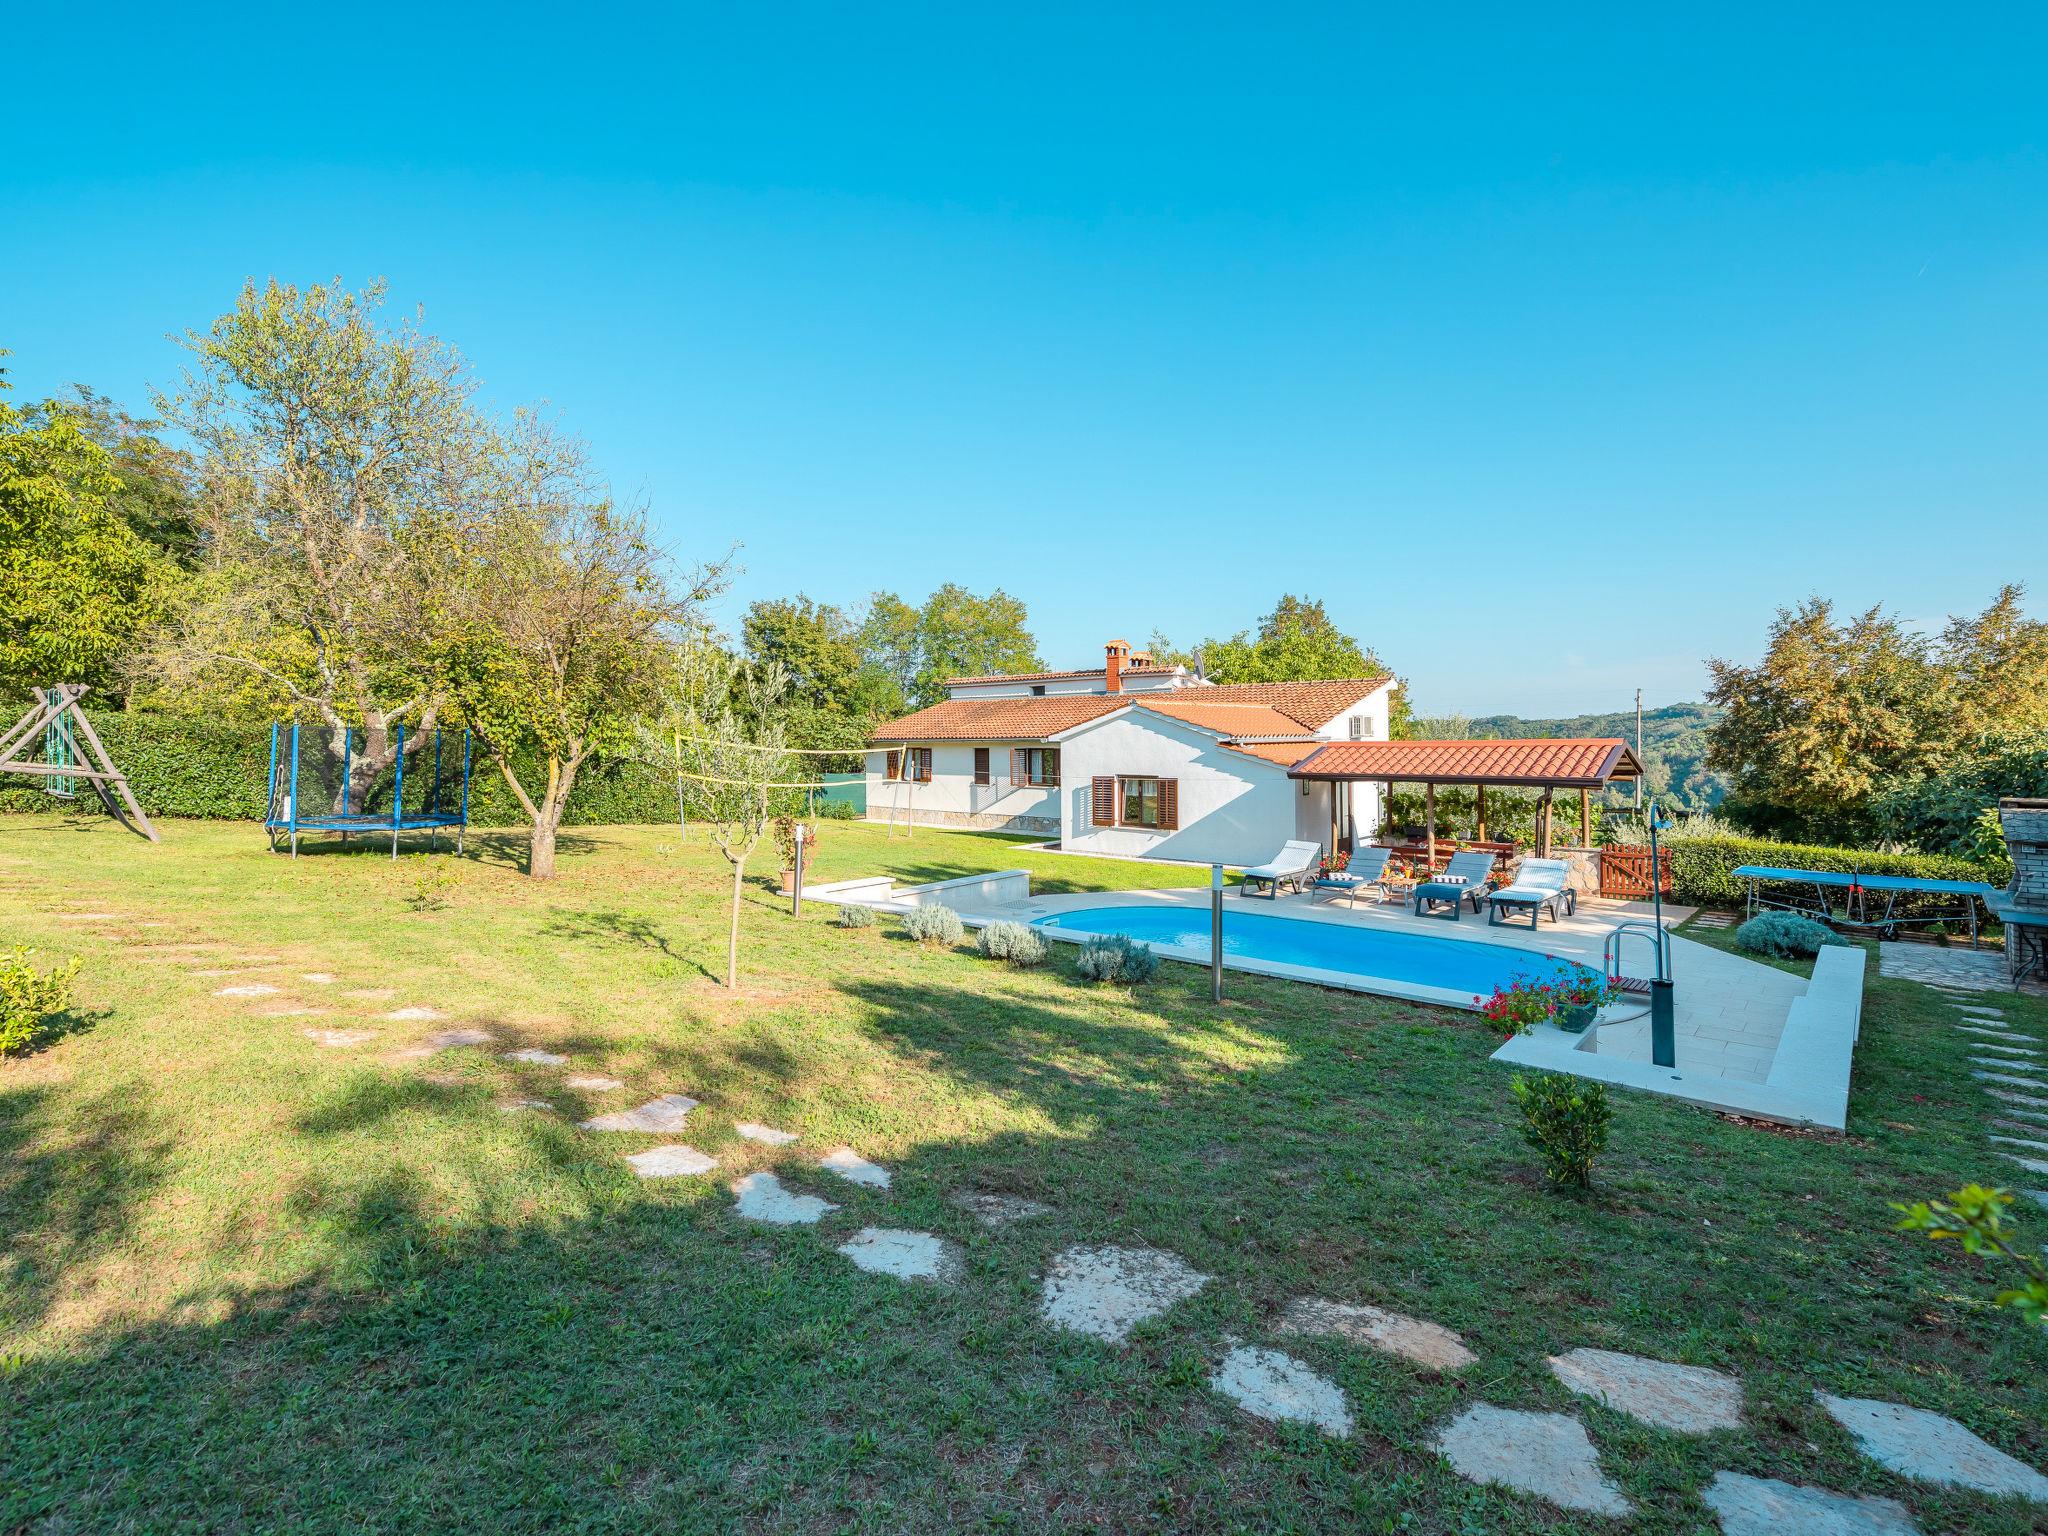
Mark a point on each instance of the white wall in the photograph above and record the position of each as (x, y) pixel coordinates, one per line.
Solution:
(1146, 681)
(1234, 809)
(952, 787)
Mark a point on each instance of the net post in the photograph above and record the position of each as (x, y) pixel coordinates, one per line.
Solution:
(398, 792)
(293, 813)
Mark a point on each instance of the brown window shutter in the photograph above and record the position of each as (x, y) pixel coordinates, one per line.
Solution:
(1104, 798)
(921, 764)
(1169, 805)
(895, 768)
(1020, 766)
(981, 765)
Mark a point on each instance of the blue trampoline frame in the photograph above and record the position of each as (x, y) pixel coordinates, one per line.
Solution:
(292, 824)
(1853, 910)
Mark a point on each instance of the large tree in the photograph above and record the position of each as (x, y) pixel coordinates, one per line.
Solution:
(954, 634)
(327, 441)
(155, 490)
(818, 648)
(1298, 641)
(77, 583)
(558, 625)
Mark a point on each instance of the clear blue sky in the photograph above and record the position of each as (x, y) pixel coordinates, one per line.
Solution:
(1631, 326)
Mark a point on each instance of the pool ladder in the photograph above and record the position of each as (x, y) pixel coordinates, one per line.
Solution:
(1610, 954)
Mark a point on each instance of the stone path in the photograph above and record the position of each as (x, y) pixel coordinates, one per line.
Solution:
(999, 1211)
(854, 1168)
(2013, 1065)
(1106, 1291)
(906, 1255)
(666, 1113)
(1687, 1399)
(762, 1197)
(1546, 1454)
(1916, 1443)
(1763, 1506)
(674, 1162)
(1972, 970)
(1270, 1385)
(1426, 1344)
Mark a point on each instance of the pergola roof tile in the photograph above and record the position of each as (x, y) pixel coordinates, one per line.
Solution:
(1560, 762)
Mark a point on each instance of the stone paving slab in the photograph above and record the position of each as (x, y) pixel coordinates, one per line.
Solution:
(1545, 1454)
(766, 1134)
(666, 1113)
(1426, 1344)
(2011, 1080)
(1763, 1506)
(318, 978)
(446, 1040)
(415, 1014)
(854, 1168)
(1973, 970)
(763, 1197)
(1990, 1031)
(538, 1057)
(2004, 1064)
(906, 1255)
(2010, 1097)
(1107, 1291)
(339, 1039)
(1270, 1385)
(249, 989)
(2026, 1142)
(998, 1211)
(1687, 1399)
(2031, 1164)
(674, 1162)
(2038, 1196)
(521, 1106)
(2004, 1050)
(593, 1083)
(1932, 1447)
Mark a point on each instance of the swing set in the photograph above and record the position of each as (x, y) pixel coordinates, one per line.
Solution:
(55, 742)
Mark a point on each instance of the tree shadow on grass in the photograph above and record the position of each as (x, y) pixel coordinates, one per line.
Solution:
(604, 927)
(60, 1026)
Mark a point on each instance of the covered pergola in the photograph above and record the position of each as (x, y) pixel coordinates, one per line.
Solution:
(1549, 764)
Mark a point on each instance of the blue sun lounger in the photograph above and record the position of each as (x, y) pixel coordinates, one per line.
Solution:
(1846, 900)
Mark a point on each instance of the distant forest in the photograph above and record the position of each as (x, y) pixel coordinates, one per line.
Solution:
(1674, 747)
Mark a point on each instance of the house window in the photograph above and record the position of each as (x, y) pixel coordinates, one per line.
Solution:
(917, 765)
(1038, 767)
(1358, 727)
(1038, 690)
(1139, 802)
(892, 766)
(981, 774)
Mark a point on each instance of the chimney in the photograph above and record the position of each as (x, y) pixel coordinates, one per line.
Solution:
(1113, 655)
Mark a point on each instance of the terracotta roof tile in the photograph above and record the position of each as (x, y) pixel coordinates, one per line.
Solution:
(1562, 761)
(1025, 719)
(1307, 703)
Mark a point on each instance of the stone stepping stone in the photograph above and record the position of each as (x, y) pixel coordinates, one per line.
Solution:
(216, 972)
(2022, 1127)
(1686, 1399)
(1980, 1010)
(998, 1211)
(1107, 1291)
(515, 1106)
(1546, 1454)
(666, 1113)
(339, 1039)
(292, 1011)
(88, 917)
(415, 1014)
(762, 1197)
(2010, 1080)
(2032, 1100)
(1990, 1032)
(1269, 1385)
(537, 1057)
(906, 1255)
(2020, 1141)
(318, 978)
(249, 989)
(372, 994)
(854, 1168)
(593, 1083)
(676, 1162)
(1426, 1344)
(1763, 1506)
(753, 1130)
(1918, 1443)
(2031, 1164)
(446, 1040)
(2038, 1196)
(2003, 1050)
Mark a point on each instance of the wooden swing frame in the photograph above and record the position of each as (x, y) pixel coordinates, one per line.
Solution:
(61, 704)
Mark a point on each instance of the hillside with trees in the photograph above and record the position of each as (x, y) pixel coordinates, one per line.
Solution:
(1674, 747)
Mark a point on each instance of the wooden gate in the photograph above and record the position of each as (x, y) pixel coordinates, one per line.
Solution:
(1625, 872)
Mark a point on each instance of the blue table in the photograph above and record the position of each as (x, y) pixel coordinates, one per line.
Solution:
(1845, 900)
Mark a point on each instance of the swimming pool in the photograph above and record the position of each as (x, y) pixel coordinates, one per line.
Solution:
(1379, 954)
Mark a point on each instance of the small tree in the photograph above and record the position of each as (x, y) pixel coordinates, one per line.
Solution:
(1975, 1217)
(723, 735)
(561, 630)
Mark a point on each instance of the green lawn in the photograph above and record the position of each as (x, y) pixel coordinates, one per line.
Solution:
(255, 1284)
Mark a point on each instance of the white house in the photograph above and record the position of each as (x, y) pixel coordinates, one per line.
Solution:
(1132, 758)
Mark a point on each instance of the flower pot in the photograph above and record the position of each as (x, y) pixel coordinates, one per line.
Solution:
(788, 881)
(1574, 1017)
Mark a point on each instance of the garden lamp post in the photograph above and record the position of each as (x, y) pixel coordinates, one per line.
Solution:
(1215, 933)
(796, 884)
(1663, 1002)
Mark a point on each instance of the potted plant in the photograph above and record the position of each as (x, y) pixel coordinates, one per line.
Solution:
(1519, 1007)
(1334, 864)
(1579, 997)
(785, 847)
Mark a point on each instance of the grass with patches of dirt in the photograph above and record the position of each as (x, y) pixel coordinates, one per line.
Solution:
(250, 1282)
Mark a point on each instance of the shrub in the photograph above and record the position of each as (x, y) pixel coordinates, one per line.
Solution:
(785, 840)
(1703, 868)
(1015, 942)
(852, 916)
(30, 998)
(933, 925)
(836, 810)
(1566, 1119)
(1787, 935)
(1118, 958)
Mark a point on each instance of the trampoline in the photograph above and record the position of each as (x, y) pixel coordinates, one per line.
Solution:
(1848, 900)
(419, 783)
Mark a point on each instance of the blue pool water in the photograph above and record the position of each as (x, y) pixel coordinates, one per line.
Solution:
(1379, 953)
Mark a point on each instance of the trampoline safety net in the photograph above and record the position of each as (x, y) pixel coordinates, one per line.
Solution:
(373, 782)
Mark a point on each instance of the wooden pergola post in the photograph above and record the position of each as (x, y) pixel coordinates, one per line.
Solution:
(1585, 818)
(1429, 819)
(1543, 825)
(1480, 790)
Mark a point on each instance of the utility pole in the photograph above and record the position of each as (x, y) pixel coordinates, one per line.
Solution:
(1639, 747)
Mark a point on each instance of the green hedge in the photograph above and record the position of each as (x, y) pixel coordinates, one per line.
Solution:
(1702, 868)
(182, 765)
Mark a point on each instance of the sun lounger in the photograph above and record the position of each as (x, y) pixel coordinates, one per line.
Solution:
(1366, 872)
(1293, 865)
(1464, 879)
(1540, 885)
